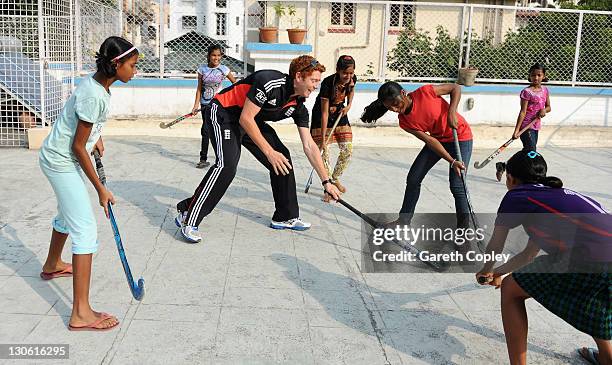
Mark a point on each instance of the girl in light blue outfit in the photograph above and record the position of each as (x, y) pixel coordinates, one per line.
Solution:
(64, 158)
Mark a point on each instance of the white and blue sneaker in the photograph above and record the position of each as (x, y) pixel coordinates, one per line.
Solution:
(297, 224)
(191, 234)
(180, 219)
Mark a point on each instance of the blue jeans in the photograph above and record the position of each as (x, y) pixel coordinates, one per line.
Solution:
(421, 166)
(529, 139)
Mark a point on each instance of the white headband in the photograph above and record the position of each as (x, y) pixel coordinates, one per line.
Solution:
(123, 54)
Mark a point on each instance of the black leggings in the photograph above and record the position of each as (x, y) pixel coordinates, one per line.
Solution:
(227, 139)
(205, 136)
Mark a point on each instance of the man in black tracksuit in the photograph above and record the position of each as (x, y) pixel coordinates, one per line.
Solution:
(237, 116)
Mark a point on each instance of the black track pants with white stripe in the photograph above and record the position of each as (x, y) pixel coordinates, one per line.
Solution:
(227, 138)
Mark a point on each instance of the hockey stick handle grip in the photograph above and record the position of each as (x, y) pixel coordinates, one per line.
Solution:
(99, 167)
(456, 140)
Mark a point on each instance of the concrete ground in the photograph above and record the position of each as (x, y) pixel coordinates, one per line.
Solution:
(251, 295)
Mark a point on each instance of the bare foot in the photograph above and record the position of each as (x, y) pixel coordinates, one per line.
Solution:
(59, 266)
(108, 320)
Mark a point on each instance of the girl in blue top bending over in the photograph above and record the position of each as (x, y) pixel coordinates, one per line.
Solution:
(63, 159)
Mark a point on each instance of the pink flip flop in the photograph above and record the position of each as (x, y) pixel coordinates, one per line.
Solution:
(94, 325)
(57, 274)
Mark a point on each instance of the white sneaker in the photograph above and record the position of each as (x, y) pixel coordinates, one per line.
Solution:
(296, 224)
(191, 234)
(180, 219)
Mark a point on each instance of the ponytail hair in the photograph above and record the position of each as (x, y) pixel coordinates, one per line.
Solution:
(389, 91)
(552, 182)
(112, 51)
(530, 168)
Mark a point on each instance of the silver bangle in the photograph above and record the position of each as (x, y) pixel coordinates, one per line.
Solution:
(453, 162)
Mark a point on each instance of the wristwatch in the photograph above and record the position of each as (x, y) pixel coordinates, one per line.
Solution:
(324, 182)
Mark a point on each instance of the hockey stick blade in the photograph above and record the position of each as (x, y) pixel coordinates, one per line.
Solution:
(491, 157)
(163, 125)
(439, 266)
(484, 163)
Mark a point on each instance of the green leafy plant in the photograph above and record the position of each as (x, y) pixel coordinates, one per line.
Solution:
(550, 39)
(292, 11)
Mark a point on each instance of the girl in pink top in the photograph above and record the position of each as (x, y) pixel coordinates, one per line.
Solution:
(535, 104)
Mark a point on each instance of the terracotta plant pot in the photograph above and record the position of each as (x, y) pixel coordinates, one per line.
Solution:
(467, 76)
(296, 36)
(268, 34)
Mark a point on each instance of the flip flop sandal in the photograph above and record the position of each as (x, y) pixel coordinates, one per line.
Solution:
(57, 274)
(94, 325)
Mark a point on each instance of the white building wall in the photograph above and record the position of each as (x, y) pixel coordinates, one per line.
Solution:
(178, 9)
(206, 11)
(493, 108)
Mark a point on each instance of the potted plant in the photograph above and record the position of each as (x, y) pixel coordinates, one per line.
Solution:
(296, 33)
(269, 33)
(467, 76)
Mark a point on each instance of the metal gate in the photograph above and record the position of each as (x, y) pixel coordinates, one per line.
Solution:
(36, 65)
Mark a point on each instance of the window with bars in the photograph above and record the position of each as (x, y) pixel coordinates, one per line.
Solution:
(221, 4)
(151, 32)
(402, 16)
(221, 23)
(189, 22)
(342, 14)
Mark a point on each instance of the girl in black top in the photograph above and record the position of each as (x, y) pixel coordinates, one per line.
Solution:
(335, 98)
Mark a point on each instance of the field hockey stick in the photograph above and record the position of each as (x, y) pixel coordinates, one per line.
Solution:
(467, 194)
(439, 266)
(137, 290)
(309, 182)
(163, 125)
(492, 156)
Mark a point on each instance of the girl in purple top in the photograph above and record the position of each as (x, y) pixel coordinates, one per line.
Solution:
(535, 104)
(581, 298)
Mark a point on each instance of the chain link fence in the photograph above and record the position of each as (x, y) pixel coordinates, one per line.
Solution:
(95, 21)
(36, 68)
(174, 36)
(421, 41)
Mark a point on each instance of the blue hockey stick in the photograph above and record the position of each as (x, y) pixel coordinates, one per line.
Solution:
(138, 291)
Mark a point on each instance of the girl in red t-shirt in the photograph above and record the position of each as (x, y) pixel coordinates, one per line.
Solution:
(426, 115)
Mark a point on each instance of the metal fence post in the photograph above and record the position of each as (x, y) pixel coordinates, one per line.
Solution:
(469, 38)
(383, 41)
(120, 32)
(577, 53)
(162, 65)
(245, 40)
(461, 38)
(72, 33)
(307, 22)
(77, 35)
(41, 62)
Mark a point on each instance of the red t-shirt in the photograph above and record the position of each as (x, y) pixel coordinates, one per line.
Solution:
(429, 113)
